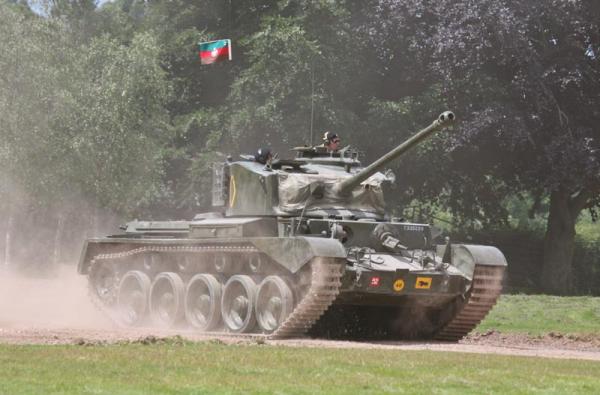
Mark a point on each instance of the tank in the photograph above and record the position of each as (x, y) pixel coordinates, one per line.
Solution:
(295, 247)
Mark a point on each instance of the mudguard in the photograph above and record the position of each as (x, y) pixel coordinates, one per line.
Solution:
(294, 252)
(290, 252)
(466, 256)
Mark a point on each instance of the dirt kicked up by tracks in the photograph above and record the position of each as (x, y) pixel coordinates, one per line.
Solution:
(57, 311)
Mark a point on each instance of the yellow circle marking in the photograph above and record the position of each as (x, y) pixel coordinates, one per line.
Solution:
(398, 285)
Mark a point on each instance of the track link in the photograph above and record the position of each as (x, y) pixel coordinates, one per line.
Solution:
(487, 285)
(324, 287)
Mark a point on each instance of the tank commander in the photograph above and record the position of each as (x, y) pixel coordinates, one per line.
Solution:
(331, 142)
(264, 156)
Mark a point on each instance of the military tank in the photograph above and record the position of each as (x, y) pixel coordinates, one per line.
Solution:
(294, 247)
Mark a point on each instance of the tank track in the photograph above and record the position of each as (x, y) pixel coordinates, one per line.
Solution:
(487, 285)
(324, 287)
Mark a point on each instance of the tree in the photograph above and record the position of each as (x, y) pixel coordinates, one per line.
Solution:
(301, 78)
(78, 121)
(524, 79)
(198, 106)
(116, 124)
(258, 98)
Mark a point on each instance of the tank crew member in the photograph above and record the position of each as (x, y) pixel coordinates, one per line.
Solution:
(331, 141)
(263, 156)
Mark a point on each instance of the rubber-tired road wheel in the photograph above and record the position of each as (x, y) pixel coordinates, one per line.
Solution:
(274, 302)
(166, 299)
(132, 297)
(237, 304)
(203, 302)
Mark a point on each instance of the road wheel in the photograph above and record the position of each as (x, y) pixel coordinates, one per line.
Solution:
(132, 298)
(203, 302)
(166, 299)
(237, 304)
(274, 302)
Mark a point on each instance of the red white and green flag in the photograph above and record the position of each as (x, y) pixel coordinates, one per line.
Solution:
(214, 51)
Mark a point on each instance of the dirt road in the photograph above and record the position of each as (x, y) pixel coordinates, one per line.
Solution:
(57, 311)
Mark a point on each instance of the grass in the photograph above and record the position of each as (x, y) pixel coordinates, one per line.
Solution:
(542, 314)
(178, 367)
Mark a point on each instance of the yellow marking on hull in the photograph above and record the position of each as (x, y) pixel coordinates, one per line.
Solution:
(398, 285)
(423, 283)
(232, 191)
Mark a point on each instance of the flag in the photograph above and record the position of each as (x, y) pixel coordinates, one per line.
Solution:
(214, 51)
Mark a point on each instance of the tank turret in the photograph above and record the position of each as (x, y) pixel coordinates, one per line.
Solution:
(317, 183)
(345, 186)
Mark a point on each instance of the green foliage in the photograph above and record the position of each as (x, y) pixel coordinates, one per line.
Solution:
(588, 229)
(29, 98)
(586, 264)
(301, 76)
(271, 99)
(523, 217)
(86, 119)
(191, 154)
(119, 100)
(111, 19)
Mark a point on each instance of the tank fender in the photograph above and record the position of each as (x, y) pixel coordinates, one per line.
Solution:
(88, 251)
(93, 247)
(295, 252)
(466, 256)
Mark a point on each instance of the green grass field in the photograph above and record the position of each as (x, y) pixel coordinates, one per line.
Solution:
(541, 314)
(177, 367)
(180, 367)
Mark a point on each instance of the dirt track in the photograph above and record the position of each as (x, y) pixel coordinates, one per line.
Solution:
(57, 311)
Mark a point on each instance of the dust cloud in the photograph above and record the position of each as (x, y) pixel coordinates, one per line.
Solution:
(56, 302)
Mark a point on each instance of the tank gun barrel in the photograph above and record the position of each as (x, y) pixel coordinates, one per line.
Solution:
(444, 120)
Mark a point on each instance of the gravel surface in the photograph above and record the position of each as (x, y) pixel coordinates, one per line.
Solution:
(57, 311)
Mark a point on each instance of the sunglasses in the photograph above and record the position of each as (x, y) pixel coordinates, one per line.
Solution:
(336, 141)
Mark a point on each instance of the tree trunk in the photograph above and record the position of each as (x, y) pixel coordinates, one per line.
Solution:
(7, 241)
(95, 217)
(57, 240)
(558, 243)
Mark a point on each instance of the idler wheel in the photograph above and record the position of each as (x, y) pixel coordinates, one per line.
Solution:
(203, 302)
(166, 299)
(132, 297)
(237, 304)
(274, 302)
